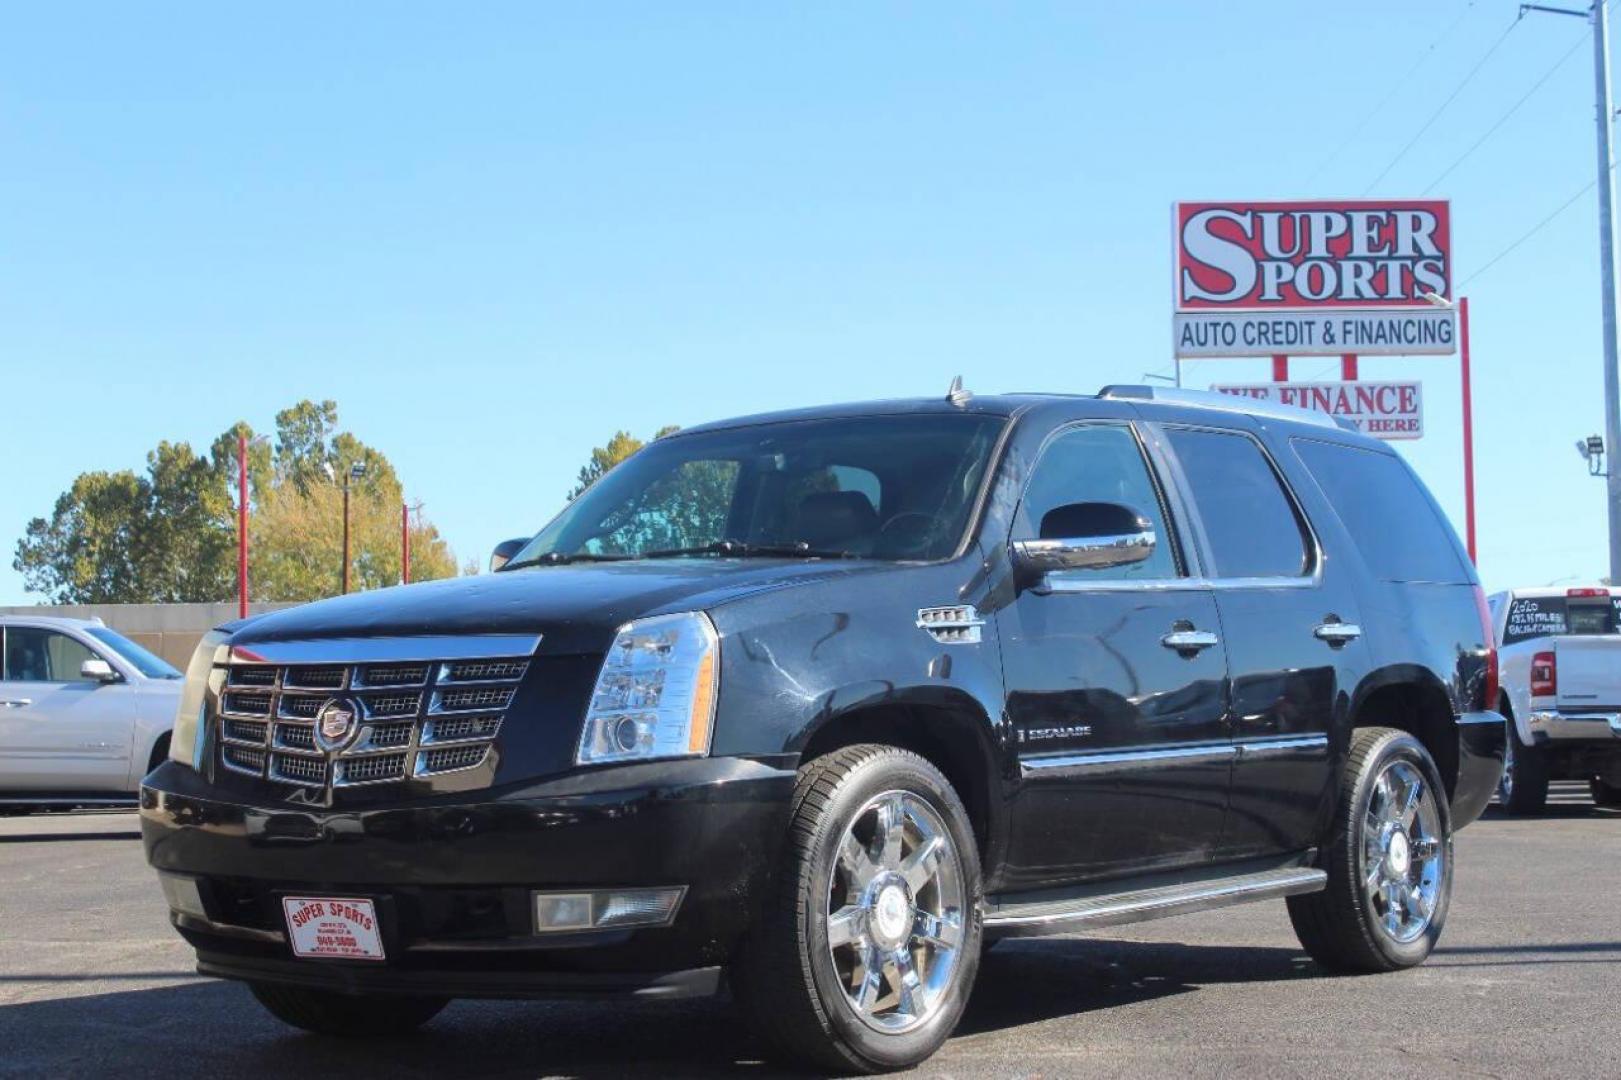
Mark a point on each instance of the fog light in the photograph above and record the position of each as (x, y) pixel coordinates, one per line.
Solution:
(182, 894)
(616, 909)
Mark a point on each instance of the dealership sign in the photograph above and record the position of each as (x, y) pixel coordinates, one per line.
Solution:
(1410, 332)
(1386, 410)
(1313, 278)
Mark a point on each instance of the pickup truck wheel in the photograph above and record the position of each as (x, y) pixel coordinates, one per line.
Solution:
(1524, 786)
(347, 1015)
(1389, 861)
(1606, 795)
(866, 949)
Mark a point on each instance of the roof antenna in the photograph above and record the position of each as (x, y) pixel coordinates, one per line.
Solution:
(957, 395)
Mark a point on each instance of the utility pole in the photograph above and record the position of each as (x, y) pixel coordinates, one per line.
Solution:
(1598, 14)
(1606, 224)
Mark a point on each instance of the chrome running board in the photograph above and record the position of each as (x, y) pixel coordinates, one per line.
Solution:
(1012, 918)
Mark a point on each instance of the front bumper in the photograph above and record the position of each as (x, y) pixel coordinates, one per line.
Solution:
(453, 880)
(1550, 725)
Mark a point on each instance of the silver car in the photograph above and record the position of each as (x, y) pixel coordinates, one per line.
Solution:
(84, 713)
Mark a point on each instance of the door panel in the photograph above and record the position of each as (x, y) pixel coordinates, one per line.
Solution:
(58, 731)
(1290, 619)
(1121, 742)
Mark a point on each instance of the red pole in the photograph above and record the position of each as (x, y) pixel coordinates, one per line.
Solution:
(1468, 432)
(405, 544)
(1280, 368)
(1348, 367)
(242, 524)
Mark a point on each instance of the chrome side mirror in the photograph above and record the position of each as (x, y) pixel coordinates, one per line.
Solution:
(505, 550)
(98, 670)
(1086, 536)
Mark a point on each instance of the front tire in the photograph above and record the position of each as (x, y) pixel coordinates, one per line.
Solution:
(1523, 788)
(1389, 861)
(866, 950)
(346, 1015)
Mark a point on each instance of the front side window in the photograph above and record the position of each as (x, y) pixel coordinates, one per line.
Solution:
(37, 655)
(880, 487)
(1098, 463)
(1249, 521)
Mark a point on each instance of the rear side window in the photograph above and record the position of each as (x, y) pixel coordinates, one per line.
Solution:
(1248, 519)
(1387, 512)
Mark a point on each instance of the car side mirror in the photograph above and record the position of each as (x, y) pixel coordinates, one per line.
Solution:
(505, 550)
(98, 670)
(1086, 536)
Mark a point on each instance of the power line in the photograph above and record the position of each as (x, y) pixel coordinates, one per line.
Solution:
(1578, 43)
(1538, 227)
(1450, 98)
(1396, 88)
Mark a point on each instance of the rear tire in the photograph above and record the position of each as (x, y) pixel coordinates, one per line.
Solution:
(1389, 861)
(1524, 786)
(864, 954)
(1605, 795)
(346, 1015)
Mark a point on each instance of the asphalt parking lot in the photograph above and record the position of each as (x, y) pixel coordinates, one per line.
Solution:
(1527, 982)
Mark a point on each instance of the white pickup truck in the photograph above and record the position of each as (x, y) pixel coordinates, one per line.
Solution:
(1560, 656)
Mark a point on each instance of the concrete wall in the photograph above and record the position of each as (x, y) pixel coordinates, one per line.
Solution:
(170, 630)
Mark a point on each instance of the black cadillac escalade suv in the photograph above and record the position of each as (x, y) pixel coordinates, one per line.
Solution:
(814, 705)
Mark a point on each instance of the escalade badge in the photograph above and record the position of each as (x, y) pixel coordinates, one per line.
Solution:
(335, 724)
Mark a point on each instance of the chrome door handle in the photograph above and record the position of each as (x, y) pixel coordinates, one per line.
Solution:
(1189, 641)
(1337, 633)
(17, 702)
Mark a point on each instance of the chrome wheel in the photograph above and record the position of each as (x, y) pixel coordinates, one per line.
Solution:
(1403, 851)
(895, 912)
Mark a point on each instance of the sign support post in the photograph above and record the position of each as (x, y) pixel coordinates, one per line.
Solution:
(1468, 430)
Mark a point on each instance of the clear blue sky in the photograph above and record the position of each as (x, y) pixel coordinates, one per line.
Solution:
(494, 236)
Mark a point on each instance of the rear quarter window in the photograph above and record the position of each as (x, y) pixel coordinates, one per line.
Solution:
(1386, 511)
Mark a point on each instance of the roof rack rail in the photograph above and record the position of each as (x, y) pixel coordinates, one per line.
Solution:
(1211, 399)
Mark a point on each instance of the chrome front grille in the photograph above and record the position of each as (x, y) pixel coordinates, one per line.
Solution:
(414, 719)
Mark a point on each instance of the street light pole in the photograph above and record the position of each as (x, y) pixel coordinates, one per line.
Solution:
(346, 534)
(1604, 104)
(355, 472)
(1606, 223)
(241, 524)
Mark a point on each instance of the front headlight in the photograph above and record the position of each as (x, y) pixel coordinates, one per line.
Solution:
(655, 695)
(186, 742)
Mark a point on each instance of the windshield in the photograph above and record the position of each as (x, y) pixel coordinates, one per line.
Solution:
(882, 487)
(147, 663)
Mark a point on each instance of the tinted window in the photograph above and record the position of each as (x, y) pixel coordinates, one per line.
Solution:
(1544, 616)
(1098, 463)
(886, 487)
(35, 655)
(1387, 512)
(1248, 519)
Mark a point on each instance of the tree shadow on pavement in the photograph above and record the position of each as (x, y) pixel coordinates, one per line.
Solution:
(213, 1027)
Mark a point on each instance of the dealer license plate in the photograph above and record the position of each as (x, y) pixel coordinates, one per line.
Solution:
(331, 928)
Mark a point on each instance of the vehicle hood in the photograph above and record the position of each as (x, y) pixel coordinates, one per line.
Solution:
(576, 608)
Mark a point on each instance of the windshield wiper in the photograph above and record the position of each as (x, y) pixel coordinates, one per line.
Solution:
(739, 549)
(558, 558)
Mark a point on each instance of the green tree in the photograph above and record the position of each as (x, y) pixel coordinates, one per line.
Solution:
(170, 535)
